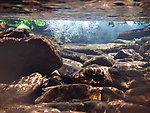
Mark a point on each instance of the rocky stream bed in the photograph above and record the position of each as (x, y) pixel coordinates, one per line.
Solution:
(41, 76)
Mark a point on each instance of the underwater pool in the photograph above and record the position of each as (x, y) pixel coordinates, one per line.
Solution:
(82, 56)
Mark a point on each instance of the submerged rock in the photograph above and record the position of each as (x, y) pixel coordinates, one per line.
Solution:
(103, 76)
(101, 60)
(24, 90)
(142, 40)
(79, 93)
(128, 53)
(64, 93)
(123, 41)
(138, 33)
(94, 75)
(66, 72)
(20, 57)
(125, 107)
(111, 93)
(79, 57)
(116, 106)
(16, 33)
(129, 65)
(33, 109)
(139, 95)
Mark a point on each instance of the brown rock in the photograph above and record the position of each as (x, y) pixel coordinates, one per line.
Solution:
(53, 80)
(65, 93)
(16, 33)
(95, 106)
(66, 70)
(79, 93)
(124, 107)
(139, 95)
(106, 93)
(122, 79)
(102, 76)
(101, 60)
(21, 108)
(94, 75)
(21, 57)
(65, 106)
(33, 109)
(87, 106)
(128, 53)
(111, 93)
(24, 90)
(138, 82)
(117, 106)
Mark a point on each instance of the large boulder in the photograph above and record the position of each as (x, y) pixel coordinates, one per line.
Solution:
(23, 56)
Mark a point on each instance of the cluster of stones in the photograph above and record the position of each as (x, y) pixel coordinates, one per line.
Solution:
(35, 79)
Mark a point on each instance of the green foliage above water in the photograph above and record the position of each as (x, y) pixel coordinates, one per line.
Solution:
(142, 23)
(24, 24)
(39, 23)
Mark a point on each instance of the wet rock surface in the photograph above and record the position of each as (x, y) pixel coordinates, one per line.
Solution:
(128, 53)
(110, 79)
(16, 33)
(138, 33)
(24, 90)
(94, 75)
(23, 56)
(101, 60)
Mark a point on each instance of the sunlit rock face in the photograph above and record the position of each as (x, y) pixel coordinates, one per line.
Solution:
(88, 31)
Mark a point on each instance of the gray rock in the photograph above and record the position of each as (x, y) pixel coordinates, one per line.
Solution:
(137, 33)
(101, 60)
(129, 65)
(128, 53)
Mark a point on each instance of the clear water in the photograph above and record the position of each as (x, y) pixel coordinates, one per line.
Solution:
(75, 31)
(86, 29)
(95, 32)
